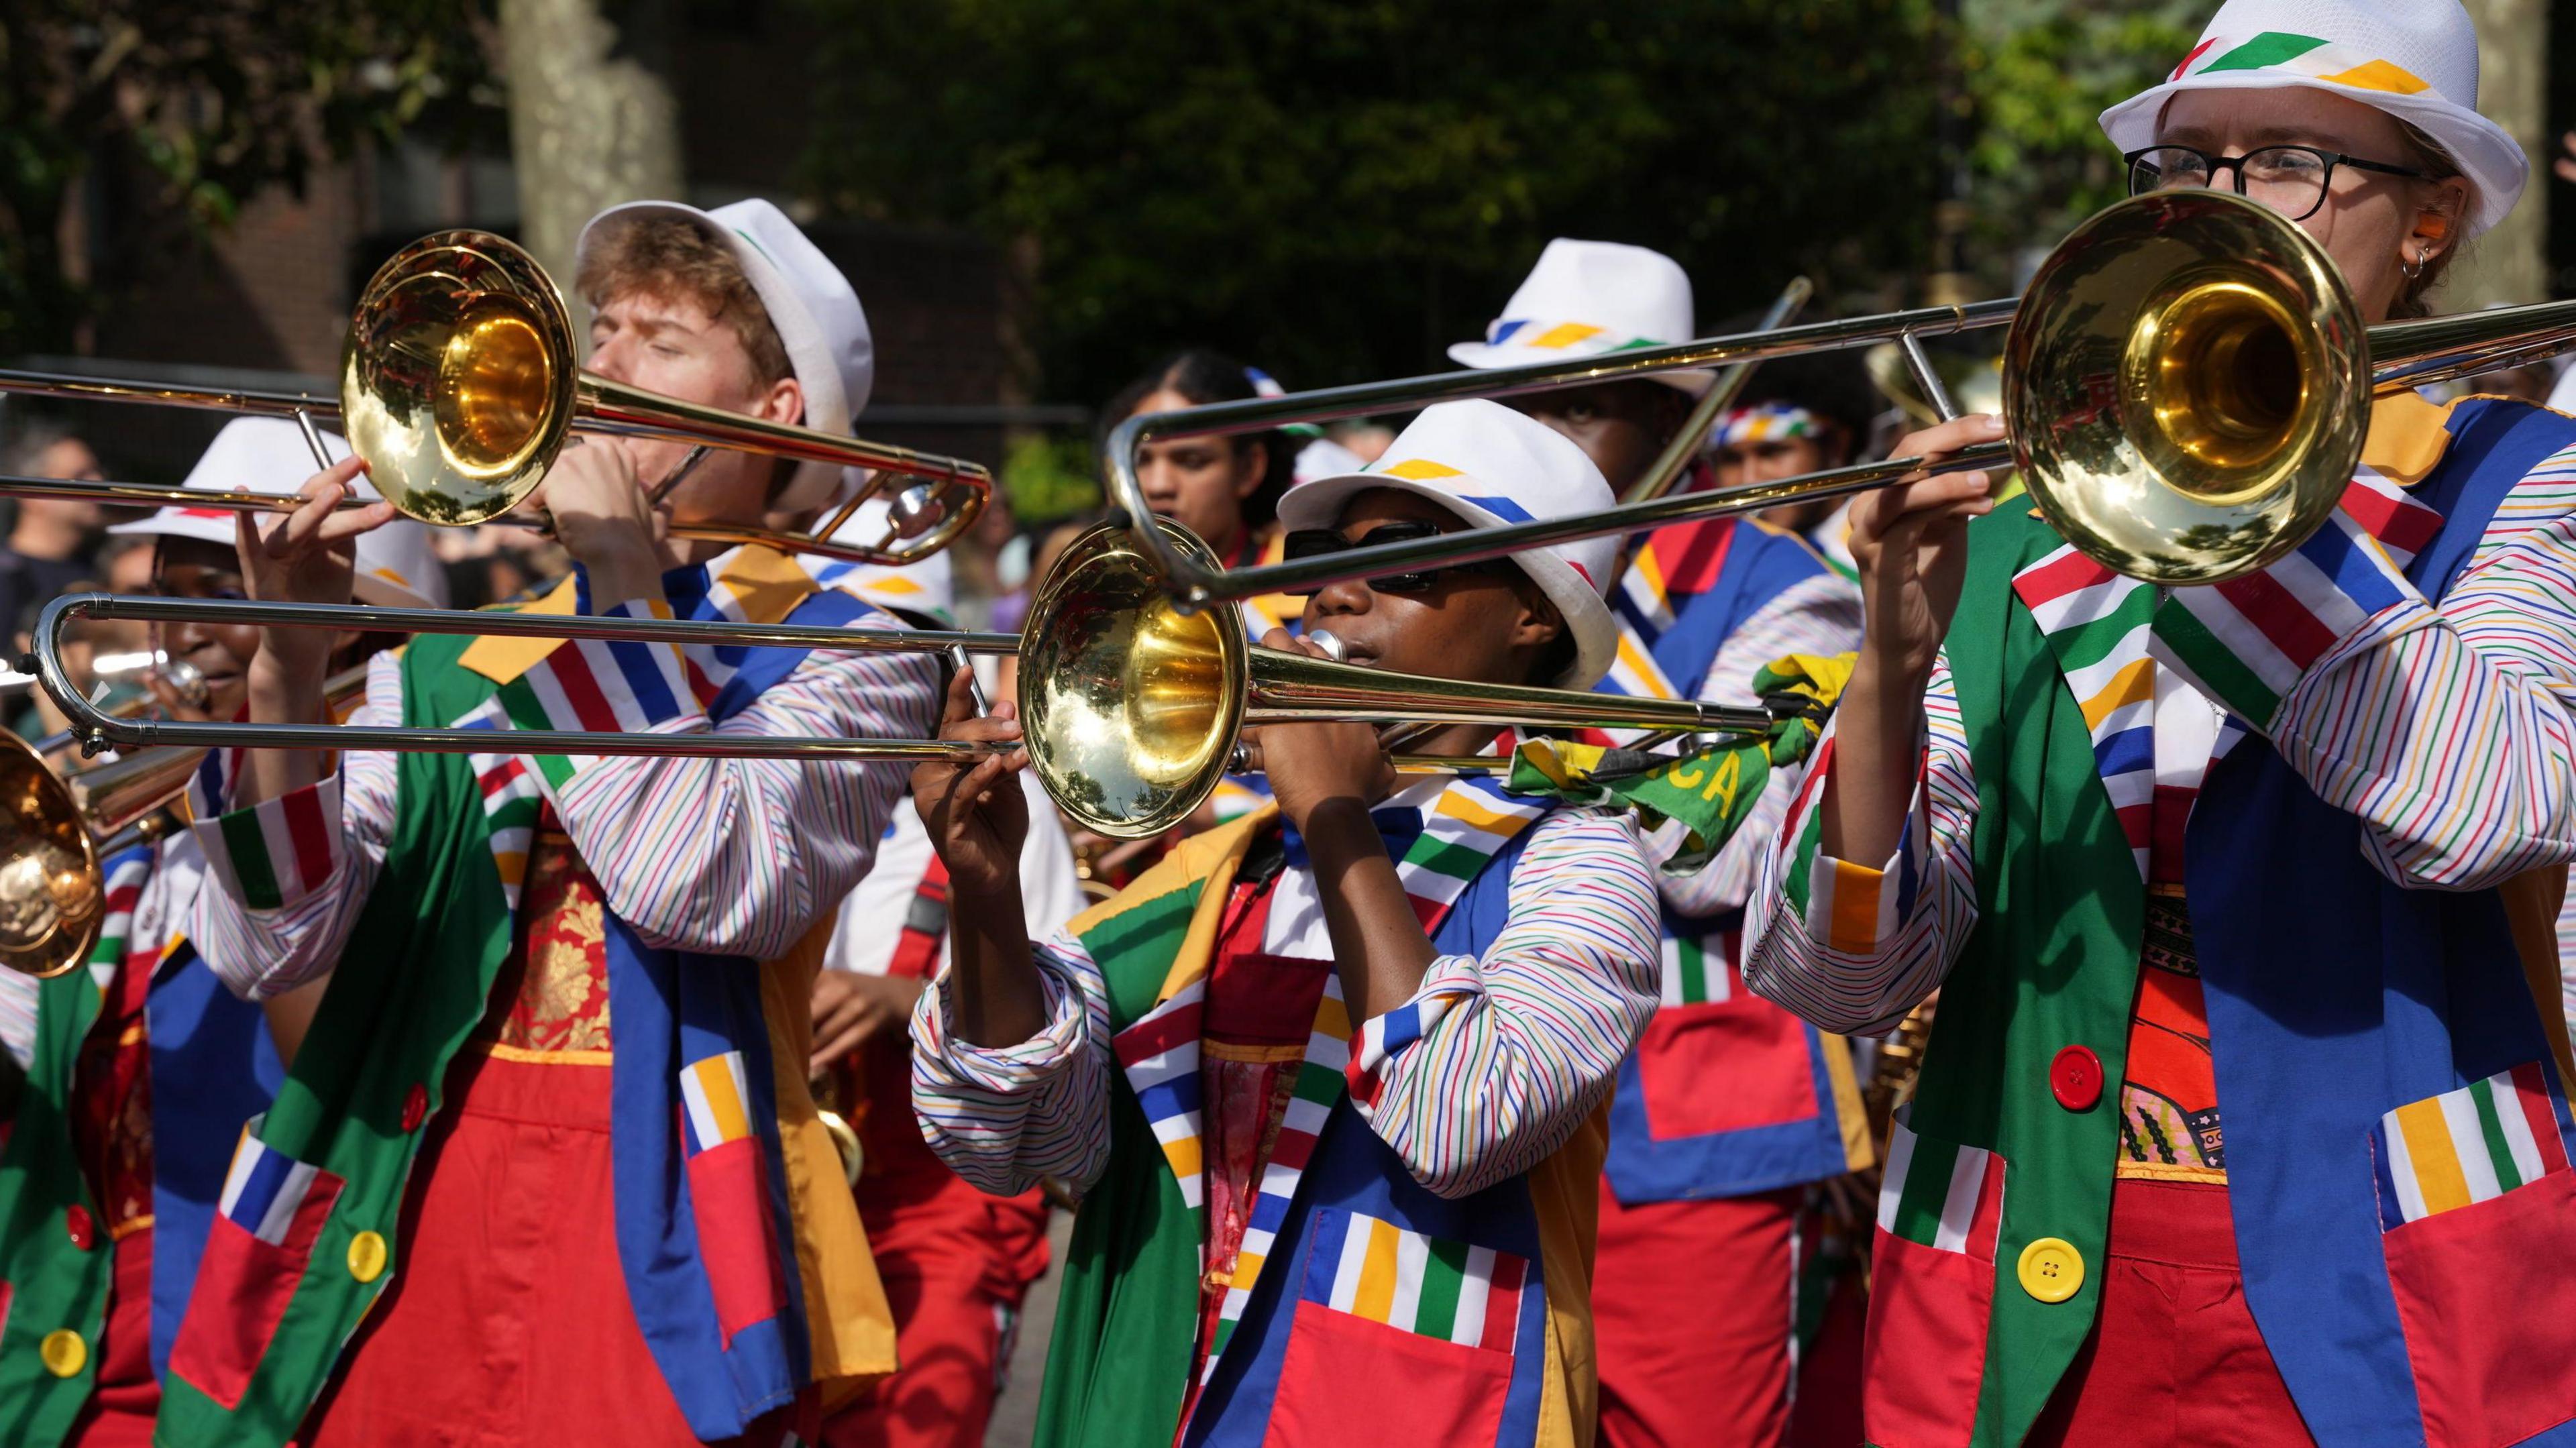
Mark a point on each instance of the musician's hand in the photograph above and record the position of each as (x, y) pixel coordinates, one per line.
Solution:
(977, 817)
(851, 1008)
(1310, 763)
(1910, 542)
(307, 556)
(604, 519)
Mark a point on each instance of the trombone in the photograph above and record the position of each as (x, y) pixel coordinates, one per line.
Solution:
(460, 383)
(2187, 385)
(1133, 710)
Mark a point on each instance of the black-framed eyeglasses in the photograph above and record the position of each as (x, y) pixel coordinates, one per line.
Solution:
(2292, 180)
(1316, 542)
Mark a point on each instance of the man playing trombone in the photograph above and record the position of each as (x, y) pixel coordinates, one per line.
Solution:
(144, 1067)
(549, 1131)
(1328, 1078)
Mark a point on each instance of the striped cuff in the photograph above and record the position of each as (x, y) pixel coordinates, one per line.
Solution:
(1450, 983)
(1849, 909)
(2247, 642)
(951, 1064)
(275, 853)
(602, 686)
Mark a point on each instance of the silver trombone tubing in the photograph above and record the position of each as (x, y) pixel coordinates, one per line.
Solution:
(1193, 585)
(2407, 354)
(95, 729)
(158, 495)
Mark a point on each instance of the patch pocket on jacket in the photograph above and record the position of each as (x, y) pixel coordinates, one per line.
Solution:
(257, 1249)
(2477, 1211)
(729, 1195)
(1726, 1065)
(1932, 1290)
(1439, 1319)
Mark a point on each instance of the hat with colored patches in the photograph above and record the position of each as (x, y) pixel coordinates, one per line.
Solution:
(396, 567)
(1587, 298)
(2415, 59)
(924, 592)
(810, 303)
(1493, 466)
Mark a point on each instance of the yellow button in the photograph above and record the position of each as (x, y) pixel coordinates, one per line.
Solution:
(366, 1256)
(64, 1352)
(2051, 1269)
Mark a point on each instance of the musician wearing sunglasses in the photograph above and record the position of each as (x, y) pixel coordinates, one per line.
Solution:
(144, 1067)
(1329, 1079)
(2245, 1116)
(1730, 1108)
(549, 1130)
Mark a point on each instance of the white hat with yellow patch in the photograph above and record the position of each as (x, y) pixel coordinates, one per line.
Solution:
(1493, 466)
(2415, 59)
(396, 566)
(1587, 298)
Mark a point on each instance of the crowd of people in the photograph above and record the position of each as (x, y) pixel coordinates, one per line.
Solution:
(720, 1095)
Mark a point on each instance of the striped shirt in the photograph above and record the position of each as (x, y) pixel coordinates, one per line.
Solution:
(2450, 731)
(1528, 1046)
(718, 856)
(1819, 615)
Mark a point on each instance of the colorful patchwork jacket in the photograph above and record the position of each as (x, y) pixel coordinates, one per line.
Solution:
(2397, 1129)
(746, 1266)
(218, 1068)
(1415, 1260)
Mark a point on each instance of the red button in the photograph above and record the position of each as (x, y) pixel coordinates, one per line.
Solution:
(415, 1107)
(2075, 1078)
(84, 1231)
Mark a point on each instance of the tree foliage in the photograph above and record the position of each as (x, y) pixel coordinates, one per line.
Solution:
(2038, 74)
(178, 111)
(1337, 188)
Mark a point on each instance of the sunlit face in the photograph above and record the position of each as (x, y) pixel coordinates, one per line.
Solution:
(1486, 625)
(1200, 483)
(1621, 426)
(673, 345)
(2375, 226)
(221, 652)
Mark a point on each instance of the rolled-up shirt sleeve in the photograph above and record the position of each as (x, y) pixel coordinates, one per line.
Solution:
(291, 874)
(1852, 946)
(1006, 1117)
(1496, 1059)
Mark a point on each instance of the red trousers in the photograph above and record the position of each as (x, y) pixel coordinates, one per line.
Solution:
(956, 1264)
(1693, 1304)
(508, 1320)
(2175, 1357)
(122, 1406)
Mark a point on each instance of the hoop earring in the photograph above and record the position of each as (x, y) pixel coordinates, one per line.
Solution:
(2415, 272)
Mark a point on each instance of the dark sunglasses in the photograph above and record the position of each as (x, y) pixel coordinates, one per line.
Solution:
(1304, 543)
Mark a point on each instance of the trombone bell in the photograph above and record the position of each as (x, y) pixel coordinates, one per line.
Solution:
(457, 384)
(1129, 706)
(52, 894)
(2187, 385)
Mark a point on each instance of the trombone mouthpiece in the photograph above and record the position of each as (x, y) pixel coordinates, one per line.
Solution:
(1332, 646)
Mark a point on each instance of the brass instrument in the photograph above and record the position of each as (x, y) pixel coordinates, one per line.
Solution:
(1133, 707)
(2186, 387)
(459, 384)
(1894, 1070)
(55, 832)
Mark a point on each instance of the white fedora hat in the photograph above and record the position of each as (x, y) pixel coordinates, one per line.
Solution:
(1585, 298)
(2415, 59)
(1493, 466)
(813, 307)
(396, 566)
